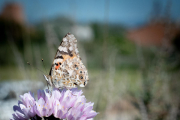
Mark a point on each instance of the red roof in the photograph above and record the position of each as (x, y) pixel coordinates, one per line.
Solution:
(153, 33)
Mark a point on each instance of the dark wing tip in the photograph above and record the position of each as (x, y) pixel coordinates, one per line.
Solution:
(68, 34)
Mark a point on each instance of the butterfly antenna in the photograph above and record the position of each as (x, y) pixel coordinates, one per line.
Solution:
(36, 68)
(44, 65)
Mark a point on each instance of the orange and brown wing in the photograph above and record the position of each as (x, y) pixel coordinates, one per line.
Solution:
(67, 49)
(67, 68)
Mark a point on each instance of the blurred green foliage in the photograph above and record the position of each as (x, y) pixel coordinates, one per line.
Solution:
(22, 36)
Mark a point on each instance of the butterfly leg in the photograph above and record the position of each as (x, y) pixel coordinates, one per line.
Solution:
(49, 88)
(69, 109)
(71, 91)
(49, 83)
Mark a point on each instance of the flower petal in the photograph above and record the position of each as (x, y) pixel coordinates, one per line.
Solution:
(87, 109)
(91, 114)
(63, 104)
(41, 94)
(56, 94)
(20, 115)
(17, 108)
(15, 117)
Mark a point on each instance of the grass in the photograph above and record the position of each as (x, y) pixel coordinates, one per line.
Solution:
(10, 73)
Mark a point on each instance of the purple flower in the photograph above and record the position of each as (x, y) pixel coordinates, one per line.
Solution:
(64, 104)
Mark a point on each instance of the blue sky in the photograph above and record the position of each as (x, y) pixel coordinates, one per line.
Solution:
(126, 12)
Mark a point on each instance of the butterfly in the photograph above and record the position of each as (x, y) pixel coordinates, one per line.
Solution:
(67, 70)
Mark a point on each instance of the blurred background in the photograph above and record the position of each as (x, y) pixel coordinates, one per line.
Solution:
(131, 49)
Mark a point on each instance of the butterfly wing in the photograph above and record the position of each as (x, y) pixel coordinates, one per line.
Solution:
(67, 68)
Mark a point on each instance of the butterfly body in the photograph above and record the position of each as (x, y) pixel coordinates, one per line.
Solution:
(67, 70)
